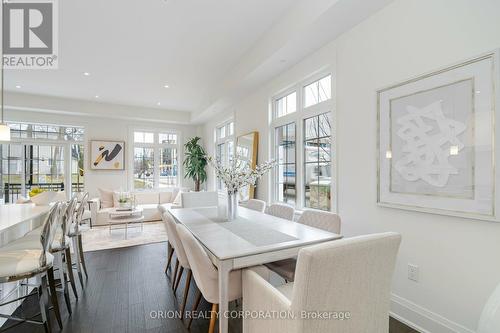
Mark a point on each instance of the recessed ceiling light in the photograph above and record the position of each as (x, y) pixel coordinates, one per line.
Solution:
(86, 73)
(158, 103)
(166, 86)
(96, 96)
(18, 87)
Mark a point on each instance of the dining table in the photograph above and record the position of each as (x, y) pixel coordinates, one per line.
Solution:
(252, 238)
(16, 220)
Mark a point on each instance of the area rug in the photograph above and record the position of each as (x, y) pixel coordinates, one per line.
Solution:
(99, 238)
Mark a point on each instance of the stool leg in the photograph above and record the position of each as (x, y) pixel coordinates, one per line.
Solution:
(43, 298)
(53, 295)
(69, 265)
(82, 257)
(77, 260)
(64, 281)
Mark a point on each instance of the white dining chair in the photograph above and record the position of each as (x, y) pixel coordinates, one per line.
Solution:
(255, 204)
(281, 210)
(199, 199)
(170, 248)
(22, 264)
(206, 276)
(489, 322)
(352, 275)
(314, 218)
(182, 260)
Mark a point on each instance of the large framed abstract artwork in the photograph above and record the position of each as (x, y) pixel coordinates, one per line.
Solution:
(437, 141)
(107, 155)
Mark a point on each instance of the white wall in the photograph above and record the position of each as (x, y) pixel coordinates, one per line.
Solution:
(458, 258)
(101, 128)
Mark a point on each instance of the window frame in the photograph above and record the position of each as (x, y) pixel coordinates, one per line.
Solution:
(157, 147)
(298, 117)
(65, 144)
(229, 137)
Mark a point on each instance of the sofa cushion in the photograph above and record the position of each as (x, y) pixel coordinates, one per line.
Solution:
(166, 197)
(106, 197)
(147, 198)
(150, 212)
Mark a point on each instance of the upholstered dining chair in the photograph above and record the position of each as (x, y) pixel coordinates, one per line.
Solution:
(314, 218)
(489, 322)
(170, 248)
(199, 199)
(206, 276)
(182, 260)
(21, 264)
(352, 276)
(255, 204)
(281, 210)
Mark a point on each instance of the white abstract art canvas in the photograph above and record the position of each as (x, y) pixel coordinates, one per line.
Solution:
(107, 155)
(436, 136)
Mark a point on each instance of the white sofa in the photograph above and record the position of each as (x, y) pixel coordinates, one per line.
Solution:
(147, 200)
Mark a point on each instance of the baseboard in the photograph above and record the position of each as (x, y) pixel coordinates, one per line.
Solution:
(421, 319)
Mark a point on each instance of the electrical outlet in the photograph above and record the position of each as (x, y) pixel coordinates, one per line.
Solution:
(413, 273)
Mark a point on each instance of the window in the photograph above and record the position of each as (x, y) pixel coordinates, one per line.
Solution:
(37, 158)
(155, 160)
(285, 156)
(224, 146)
(302, 140)
(317, 170)
(318, 91)
(286, 105)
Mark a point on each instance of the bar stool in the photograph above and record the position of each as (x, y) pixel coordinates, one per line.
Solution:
(75, 234)
(59, 248)
(17, 265)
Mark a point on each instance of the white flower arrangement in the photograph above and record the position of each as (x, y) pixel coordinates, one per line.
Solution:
(239, 174)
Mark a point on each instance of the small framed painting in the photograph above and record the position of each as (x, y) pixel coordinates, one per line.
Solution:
(437, 141)
(107, 155)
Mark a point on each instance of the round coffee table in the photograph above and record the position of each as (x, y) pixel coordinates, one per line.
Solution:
(119, 216)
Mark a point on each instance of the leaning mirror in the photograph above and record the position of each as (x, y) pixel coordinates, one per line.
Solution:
(246, 150)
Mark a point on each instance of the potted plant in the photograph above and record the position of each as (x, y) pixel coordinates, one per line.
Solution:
(195, 162)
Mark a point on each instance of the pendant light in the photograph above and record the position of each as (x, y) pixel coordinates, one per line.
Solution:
(4, 129)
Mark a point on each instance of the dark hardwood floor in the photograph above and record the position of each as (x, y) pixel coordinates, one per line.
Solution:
(126, 291)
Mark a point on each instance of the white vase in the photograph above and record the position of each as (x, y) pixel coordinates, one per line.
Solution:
(232, 206)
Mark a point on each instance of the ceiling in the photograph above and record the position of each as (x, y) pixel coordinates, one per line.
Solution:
(208, 52)
(132, 49)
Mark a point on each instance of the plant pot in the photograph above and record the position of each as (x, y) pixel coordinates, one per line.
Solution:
(232, 206)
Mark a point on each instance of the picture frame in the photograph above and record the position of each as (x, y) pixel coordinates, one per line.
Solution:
(437, 142)
(107, 155)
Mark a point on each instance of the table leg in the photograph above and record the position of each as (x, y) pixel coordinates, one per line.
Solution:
(126, 229)
(224, 268)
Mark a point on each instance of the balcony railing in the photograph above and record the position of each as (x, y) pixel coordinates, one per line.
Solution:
(12, 191)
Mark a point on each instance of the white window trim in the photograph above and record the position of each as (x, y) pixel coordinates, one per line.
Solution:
(156, 146)
(298, 118)
(66, 144)
(224, 140)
